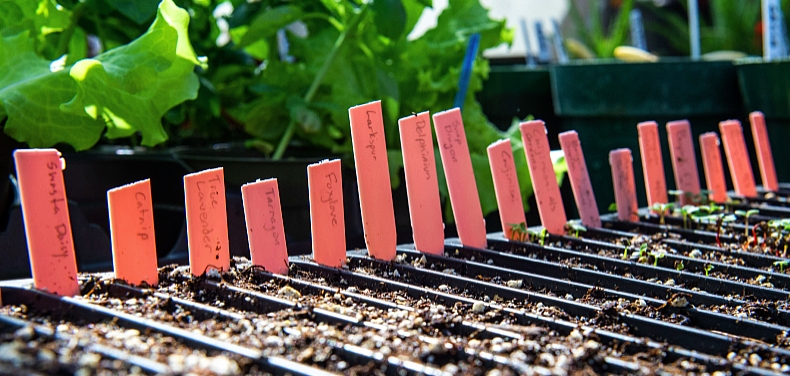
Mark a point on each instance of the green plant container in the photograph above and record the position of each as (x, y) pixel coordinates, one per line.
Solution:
(604, 100)
(516, 91)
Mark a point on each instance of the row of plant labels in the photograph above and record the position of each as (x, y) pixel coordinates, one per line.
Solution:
(51, 250)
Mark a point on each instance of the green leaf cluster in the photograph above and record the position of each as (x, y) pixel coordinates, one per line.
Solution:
(49, 98)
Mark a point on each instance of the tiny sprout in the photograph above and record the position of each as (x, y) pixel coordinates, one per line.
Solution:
(662, 210)
(625, 249)
(688, 211)
(658, 255)
(679, 265)
(782, 265)
(642, 249)
(708, 268)
(613, 207)
(541, 236)
(746, 214)
(576, 227)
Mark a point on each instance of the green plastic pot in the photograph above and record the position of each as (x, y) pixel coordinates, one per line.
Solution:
(604, 100)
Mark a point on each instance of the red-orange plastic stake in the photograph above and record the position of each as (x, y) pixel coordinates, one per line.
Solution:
(132, 232)
(46, 215)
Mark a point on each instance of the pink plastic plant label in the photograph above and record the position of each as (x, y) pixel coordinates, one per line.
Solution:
(461, 183)
(132, 233)
(652, 163)
(544, 181)
(207, 221)
(714, 170)
(738, 158)
(265, 232)
(327, 223)
(422, 187)
(508, 193)
(764, 156)
(373, 178)
(580, 179)
(624, 184)
(684, 161)
(45, 212)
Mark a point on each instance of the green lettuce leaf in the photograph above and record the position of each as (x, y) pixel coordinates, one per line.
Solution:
(126, 90)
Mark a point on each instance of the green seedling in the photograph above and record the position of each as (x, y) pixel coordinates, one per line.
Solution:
(708, 268)
(576, 228)
(676, 193)
(613, 207)
(662, 210)
(679, 265)
(782, 265)
(625, 249)
(746, 214)
(642, 250)
(658, 255)
(687, 211)
(518, 232)
(539, 235)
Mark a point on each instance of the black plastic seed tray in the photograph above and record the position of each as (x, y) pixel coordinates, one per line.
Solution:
(577, 303)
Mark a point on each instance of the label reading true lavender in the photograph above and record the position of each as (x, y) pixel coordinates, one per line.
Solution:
(46, 216)
(544, 181)
(373, 178)
(508, 193)
(263, 215)
(132, 233)
(207, 221)
(684, 161)
(326, 213)
(460, 178)
(419, 167)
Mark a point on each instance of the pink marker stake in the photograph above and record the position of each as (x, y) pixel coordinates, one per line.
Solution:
(652, 163)
(764, 156)
(132, 233)
(714, 170)
(373, 178)
(508, 193)
(419, 165)
(738, 158)
(461, 183)
(265, 232)
(580, 179)
(624, 184)
(46, 215)
(207, 221)
(326, 213)
(684, 161)
(544, 181)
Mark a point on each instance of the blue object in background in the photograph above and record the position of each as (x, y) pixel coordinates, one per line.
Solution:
(466, 70)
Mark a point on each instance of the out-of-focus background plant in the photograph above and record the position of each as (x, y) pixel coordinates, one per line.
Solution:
(281, 74)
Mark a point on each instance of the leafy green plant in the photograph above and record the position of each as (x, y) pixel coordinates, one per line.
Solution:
(52, 93)
(731, 27)
(594, 35)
